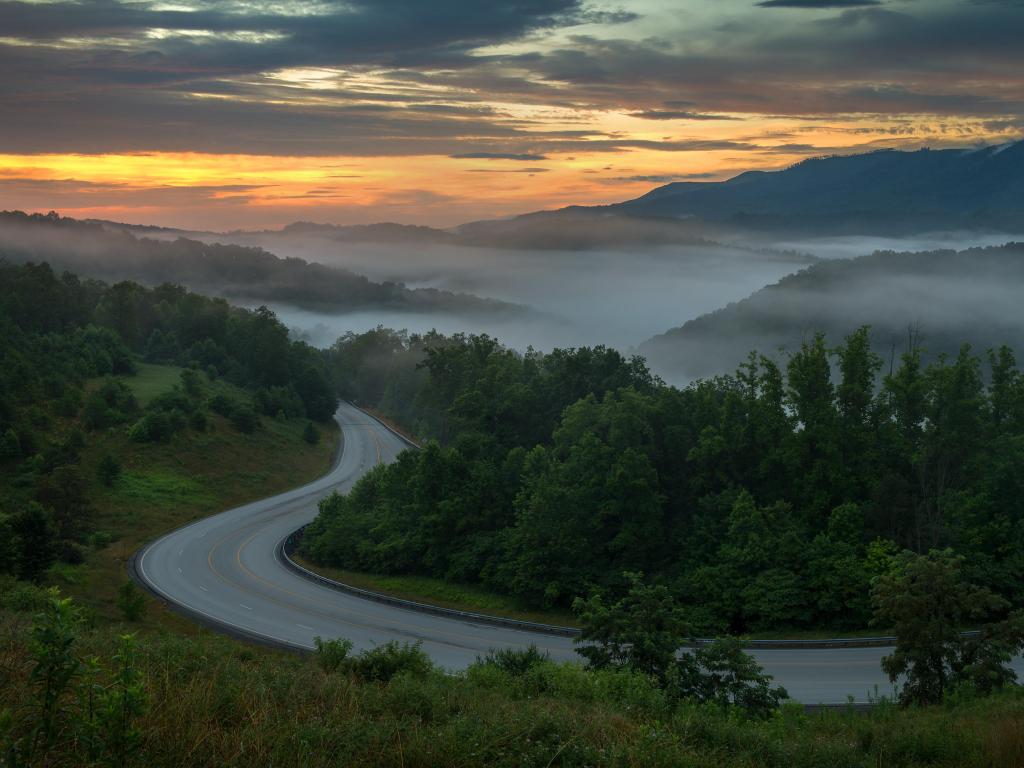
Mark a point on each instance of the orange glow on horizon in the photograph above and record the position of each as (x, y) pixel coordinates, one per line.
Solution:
(213, 191)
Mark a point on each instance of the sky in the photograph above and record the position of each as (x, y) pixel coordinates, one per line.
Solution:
(228, 114)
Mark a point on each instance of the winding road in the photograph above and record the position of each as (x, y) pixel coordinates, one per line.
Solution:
(226, 572)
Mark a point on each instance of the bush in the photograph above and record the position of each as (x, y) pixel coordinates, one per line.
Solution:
(154, 427)
(21, 596)
(332, 655)
(385, 661)
(10, 445)
(244, 419)
(311, 434)
(378, 664)
(69, 552)
(722, 673)
(113, 403)
(516, 662)
(108, 471)
(222, 404)
(131, 601)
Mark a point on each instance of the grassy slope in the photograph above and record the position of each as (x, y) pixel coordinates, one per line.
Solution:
(164, 486)
(215, 702)
(461, 597)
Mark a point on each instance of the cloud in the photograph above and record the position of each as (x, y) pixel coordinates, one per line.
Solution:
(77, 193)
(816, 3)
(507, 170)
(663, 178)
(661, 114)
(498, 156)
(402, 77)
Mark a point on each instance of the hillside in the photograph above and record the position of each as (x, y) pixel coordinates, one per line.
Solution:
(99, 250)
(945, 297)
(885, 191)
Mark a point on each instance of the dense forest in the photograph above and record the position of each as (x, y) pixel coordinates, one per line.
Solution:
(766, 499)
(946, 298)
(101, 250)
(66, 345)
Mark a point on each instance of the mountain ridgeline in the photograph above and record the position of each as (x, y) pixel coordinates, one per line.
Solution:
(112, 252)
(936, 300)
(880, 192)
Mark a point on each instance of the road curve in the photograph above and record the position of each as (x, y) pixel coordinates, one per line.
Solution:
(225, 572)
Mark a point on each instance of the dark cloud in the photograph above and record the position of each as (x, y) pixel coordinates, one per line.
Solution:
(507, 170)
(816, 3)
(102, 76)
(78, 193)
(498, 156)
(664, 178)
(664, 114)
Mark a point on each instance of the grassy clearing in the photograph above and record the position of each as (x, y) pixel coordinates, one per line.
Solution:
(461, 597)
(166, 485)
(152, 380)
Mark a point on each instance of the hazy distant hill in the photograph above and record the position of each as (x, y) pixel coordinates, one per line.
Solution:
(111, 252)
(949, 297)
(569, 229)
(885, 191)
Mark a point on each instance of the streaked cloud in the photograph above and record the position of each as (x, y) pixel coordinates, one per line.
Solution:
(402, 88)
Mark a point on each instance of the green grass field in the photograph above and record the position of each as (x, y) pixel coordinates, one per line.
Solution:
(152, 380)
(166, 485)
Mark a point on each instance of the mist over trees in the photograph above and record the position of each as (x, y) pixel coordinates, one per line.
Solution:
(934, 301)
(240, 273)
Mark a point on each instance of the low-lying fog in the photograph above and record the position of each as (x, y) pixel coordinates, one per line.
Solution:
(618, 296)
(851, 246)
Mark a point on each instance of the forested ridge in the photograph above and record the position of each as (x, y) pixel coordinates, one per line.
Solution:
(245, 274)
(770, 498)
(947, 297)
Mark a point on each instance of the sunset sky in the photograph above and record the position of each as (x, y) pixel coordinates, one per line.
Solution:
(248, 114)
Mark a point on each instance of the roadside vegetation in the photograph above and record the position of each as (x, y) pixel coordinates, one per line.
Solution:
(73, 694)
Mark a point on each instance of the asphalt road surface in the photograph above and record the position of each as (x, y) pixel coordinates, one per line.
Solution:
(225, 571)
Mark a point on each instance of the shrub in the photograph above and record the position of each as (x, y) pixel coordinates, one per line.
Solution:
(108, 471)
(21, 596)
(382, 663)
(244, 419)
(332, 655)
(69, 552)
(113, 403)
(378, 664)
(222, 404)
(516, 662)
(131, 601)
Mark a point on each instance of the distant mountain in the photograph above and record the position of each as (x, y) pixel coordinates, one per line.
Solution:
(947, 298)
(386, 232)
(576, 228)
(114, 252)
(887, 191)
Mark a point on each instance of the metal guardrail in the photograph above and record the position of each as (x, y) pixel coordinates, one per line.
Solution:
(288, 544)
